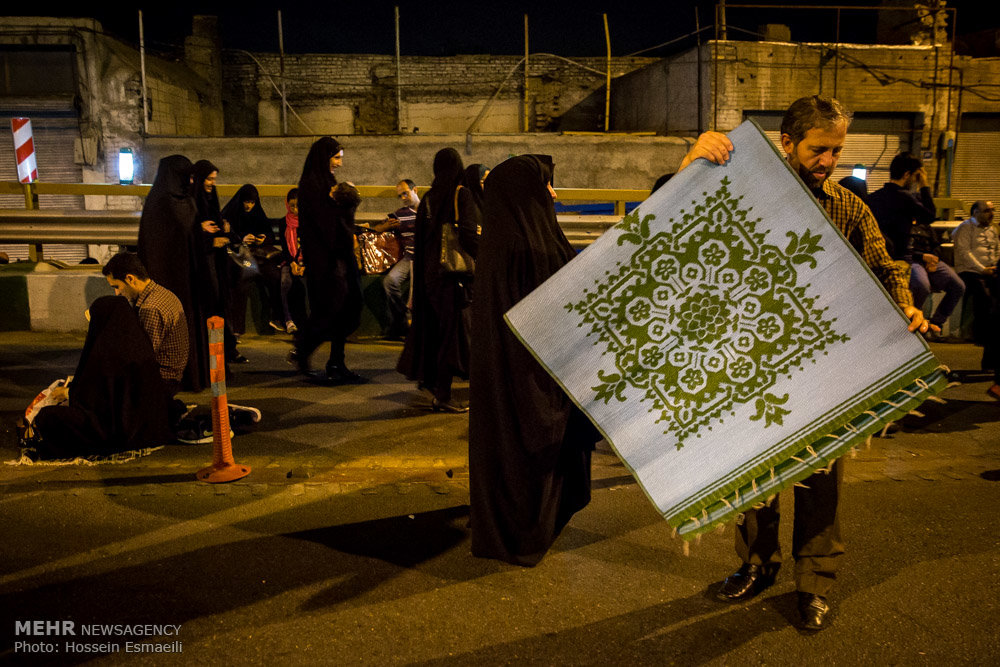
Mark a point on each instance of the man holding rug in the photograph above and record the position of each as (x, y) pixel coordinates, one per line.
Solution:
(812, 135)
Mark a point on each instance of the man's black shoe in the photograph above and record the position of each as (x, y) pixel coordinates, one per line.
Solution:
(338, 375)
(812, 612)
(238, 359)
(747, 582)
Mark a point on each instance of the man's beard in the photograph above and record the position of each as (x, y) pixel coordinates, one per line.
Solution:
(810, 179)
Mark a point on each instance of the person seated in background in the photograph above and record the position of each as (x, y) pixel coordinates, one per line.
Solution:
(977, 251)
(905, 221)
(116, 401)
(250, 225)
(397, 279)
(292, 266)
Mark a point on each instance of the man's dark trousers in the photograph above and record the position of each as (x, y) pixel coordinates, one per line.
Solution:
(816, 542)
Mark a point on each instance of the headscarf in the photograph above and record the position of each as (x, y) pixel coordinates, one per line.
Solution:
(253, 222)
(448, 173)
(473, 179)
(207, 202)
(316, 175)
(520, 215)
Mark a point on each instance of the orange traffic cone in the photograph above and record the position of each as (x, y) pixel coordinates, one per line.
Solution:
(223, 468)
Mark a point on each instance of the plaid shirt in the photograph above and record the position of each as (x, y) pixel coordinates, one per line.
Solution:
(853, 217)
(162, 317)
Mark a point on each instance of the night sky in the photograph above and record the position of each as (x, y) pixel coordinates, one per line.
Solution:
(448, 28)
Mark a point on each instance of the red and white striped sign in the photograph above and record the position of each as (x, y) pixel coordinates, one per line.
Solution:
(24, 149)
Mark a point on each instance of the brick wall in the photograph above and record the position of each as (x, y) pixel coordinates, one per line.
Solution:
(365, 84)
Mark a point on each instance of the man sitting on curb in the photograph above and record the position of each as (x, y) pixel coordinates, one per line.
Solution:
(162, 318)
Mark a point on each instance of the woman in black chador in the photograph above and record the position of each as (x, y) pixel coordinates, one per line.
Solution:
(172, 250)
(326, 230)
(437, 347)
(214, 240)
(117, 401)
(529, 446)
(250, 225)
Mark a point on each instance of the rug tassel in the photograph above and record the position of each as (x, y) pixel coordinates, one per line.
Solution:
(868, 442)
(721, 528)
(916, 413)
(937, 399)
(686, 549)
(800, 484)
(885, 430)
(954, 384)
(923, 385)
(854, 452)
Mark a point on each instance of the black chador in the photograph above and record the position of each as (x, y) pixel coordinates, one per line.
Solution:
(529, 446)
(326, 230)
(172, 250)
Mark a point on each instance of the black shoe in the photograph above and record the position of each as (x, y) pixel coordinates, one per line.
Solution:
(449, 406)
(339, 374)
(238, 359)
(812, 611)
(298, 360)
(747, 582)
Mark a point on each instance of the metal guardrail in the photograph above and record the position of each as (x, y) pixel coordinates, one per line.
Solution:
(115, 227)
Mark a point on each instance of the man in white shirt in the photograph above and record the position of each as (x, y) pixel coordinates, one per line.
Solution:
(977, 251)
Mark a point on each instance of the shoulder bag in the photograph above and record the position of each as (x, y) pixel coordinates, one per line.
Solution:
(453, 258)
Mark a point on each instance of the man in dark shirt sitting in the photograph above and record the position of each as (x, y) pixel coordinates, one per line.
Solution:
(905, 221)
(403, 222)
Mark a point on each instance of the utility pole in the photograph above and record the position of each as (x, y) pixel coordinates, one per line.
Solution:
(142, 75)
(281, 61)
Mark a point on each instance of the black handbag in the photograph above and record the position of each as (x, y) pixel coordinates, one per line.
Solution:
(243, 260)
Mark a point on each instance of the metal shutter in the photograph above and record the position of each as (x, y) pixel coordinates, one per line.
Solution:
(974, 175)
(55, 126)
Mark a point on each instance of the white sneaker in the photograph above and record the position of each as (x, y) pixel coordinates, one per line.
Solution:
(290, 327)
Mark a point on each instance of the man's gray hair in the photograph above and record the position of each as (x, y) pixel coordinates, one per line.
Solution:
(812, 111)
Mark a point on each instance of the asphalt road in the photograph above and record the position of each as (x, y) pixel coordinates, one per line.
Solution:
(348, 544)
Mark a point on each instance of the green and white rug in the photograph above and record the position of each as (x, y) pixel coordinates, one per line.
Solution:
(726, 339)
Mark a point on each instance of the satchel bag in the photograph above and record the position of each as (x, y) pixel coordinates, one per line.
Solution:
(453, 258)
(243, 261)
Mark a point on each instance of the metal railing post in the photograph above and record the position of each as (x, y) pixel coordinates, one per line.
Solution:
(35, 252)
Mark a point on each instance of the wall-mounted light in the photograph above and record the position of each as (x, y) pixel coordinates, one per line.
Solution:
(126, 166)
(860, 172)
